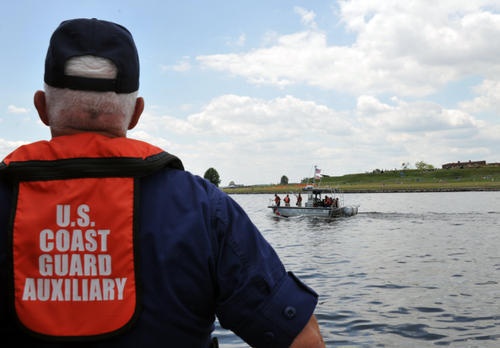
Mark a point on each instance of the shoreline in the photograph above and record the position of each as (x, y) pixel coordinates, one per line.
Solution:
(485, 178)
(282, 190)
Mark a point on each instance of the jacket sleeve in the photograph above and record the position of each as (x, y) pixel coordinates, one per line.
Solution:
(258, 299)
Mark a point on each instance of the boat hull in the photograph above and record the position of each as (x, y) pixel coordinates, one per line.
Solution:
(322, 212)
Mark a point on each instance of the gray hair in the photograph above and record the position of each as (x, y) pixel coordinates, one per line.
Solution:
(82, 109)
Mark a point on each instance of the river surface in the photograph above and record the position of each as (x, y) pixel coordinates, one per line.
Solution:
(410, 270)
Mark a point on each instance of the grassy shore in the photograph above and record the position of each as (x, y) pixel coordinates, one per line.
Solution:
(485, 178)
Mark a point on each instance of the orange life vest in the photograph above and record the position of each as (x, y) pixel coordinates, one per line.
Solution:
(72, 233)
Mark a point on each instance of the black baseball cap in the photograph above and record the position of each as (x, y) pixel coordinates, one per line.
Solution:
(83, 36)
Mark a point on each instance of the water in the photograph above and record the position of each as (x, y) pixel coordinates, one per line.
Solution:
(410, 270)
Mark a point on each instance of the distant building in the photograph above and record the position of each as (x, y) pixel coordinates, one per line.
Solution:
(470, 164)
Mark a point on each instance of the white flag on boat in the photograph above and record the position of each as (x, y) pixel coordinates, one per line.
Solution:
(317, 173)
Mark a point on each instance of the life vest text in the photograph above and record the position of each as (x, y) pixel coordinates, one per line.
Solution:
(74, 262)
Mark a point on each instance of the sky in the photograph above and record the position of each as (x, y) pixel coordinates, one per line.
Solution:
(260, 89)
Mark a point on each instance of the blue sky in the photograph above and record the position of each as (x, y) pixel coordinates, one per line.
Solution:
(260, 89)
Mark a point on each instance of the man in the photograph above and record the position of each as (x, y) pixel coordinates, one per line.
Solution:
(98, 242)
(299, 200)
(287, 200)
(277, 200)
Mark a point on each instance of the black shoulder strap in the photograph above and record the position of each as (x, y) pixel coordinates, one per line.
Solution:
(88, 167)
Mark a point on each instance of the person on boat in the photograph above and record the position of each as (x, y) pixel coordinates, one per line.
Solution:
(98, 245)
(317, 202)
(299, 200)
(277, 200)
(328, 201)
(287, 200)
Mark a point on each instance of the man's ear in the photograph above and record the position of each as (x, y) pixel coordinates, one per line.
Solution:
(139, 108)
(41, 106)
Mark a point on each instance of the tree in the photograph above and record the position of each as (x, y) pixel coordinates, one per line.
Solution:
(212, 176)
(421, 165)
(284, 180)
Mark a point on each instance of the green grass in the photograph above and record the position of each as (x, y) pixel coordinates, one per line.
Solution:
(467, 179)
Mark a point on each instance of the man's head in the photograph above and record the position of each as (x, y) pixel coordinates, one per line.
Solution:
(91, 79)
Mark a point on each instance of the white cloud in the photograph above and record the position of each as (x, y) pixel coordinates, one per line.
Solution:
(234, 132)
(412, 117)
(409, 48)
(7, 146)
(246, 138)
(12, 109)
(307, 17)
(181, 66)
(488, 99)
(239, 42)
